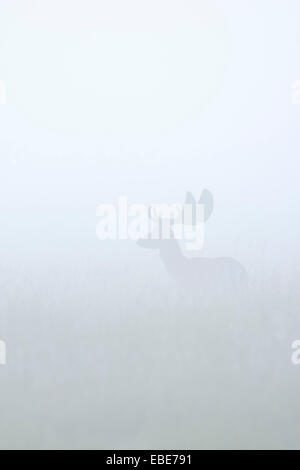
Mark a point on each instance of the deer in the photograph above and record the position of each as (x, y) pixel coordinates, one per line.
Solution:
(201, 275)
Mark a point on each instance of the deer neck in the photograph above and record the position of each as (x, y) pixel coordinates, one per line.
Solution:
(171, 254)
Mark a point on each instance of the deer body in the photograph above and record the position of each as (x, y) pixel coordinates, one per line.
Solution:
(200, 275)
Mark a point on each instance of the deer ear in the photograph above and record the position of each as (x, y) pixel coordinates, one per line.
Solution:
(207, 200)
(189, 198)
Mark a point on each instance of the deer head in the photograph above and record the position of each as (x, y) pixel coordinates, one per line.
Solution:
(167, 220)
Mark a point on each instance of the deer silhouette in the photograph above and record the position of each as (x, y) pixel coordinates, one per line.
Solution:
(199, 274)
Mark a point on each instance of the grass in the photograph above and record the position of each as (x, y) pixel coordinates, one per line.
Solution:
(124, 359)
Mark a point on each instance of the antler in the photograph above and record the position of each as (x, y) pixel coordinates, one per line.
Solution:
(171, 213)
(164, 217)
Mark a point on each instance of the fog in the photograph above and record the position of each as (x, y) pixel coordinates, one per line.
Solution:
(148, 100)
